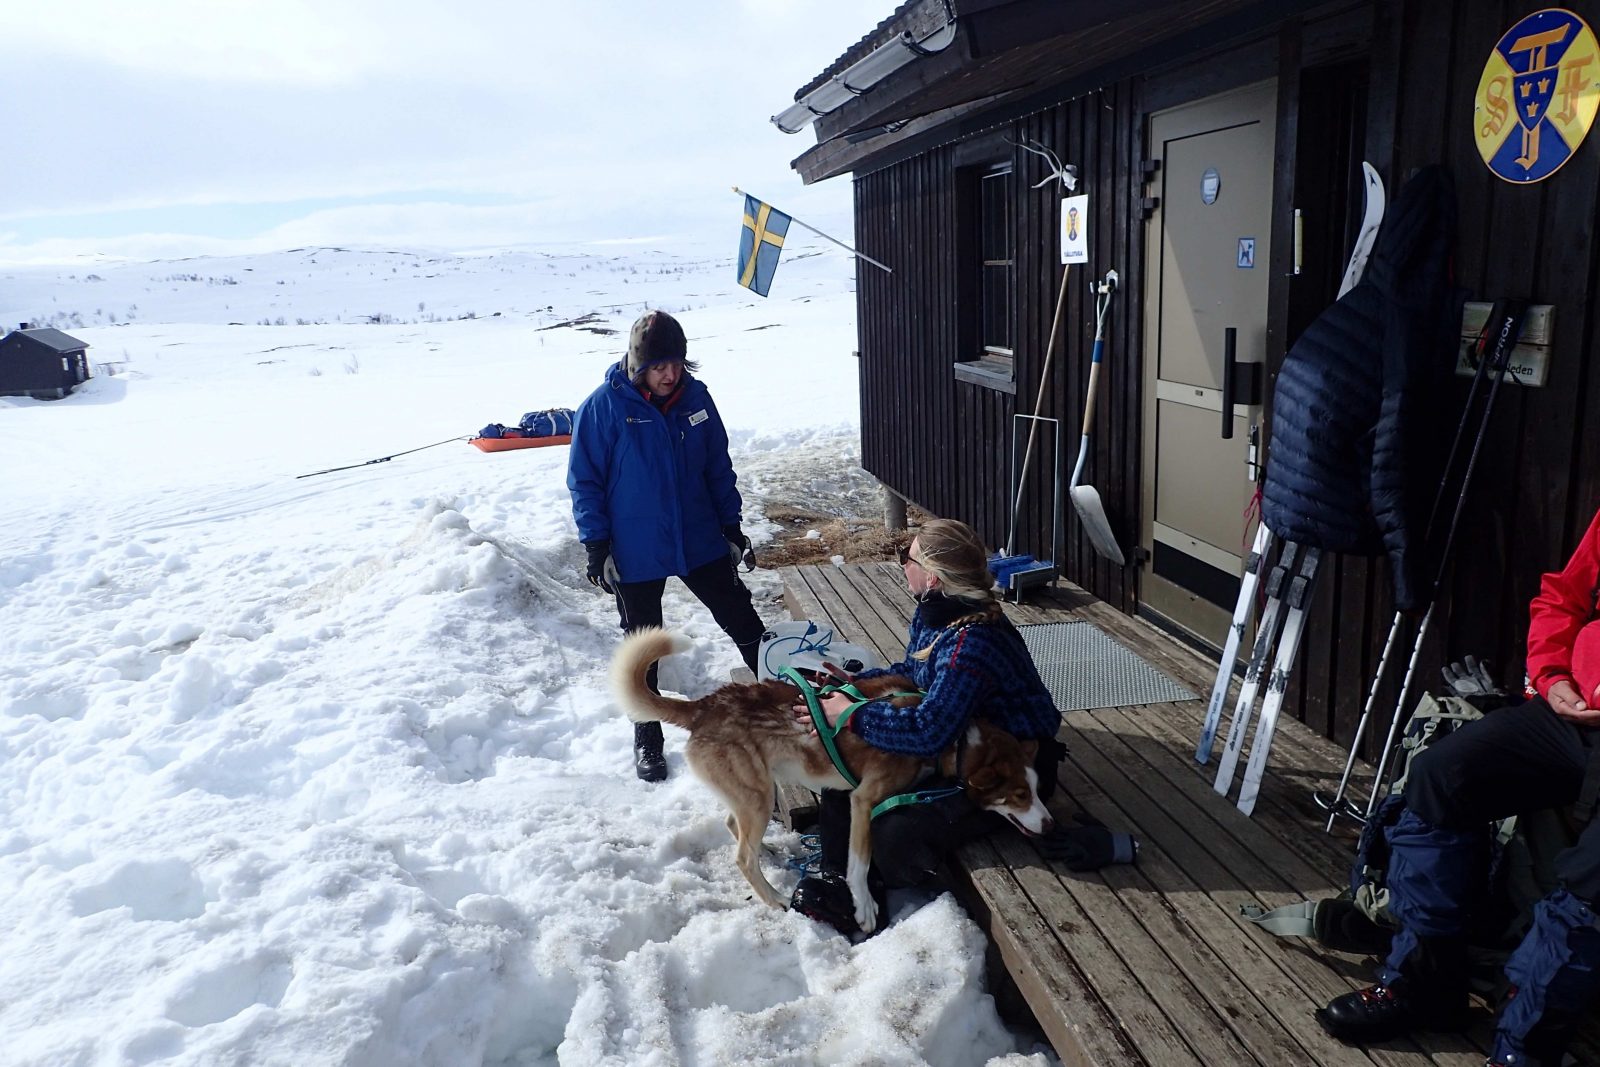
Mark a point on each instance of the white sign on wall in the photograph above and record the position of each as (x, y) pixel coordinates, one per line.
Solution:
(1075, 229)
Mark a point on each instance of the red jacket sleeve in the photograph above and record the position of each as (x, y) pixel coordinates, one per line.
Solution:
(1566, 601)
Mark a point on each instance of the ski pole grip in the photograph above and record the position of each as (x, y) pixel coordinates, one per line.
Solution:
(1230, 367)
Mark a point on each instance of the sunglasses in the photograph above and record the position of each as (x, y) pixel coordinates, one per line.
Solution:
(904, 552)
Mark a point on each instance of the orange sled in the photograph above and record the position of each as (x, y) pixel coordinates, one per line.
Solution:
(505, 444)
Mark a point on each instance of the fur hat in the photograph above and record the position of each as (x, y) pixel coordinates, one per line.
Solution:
(656, 337)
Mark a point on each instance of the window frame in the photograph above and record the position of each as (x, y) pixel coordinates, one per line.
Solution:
(986, 225)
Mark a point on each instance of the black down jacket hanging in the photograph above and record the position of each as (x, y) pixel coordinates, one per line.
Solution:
(1354, 458)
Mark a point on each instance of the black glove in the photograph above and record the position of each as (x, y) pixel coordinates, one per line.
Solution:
(1088, 846)
(602, 568)
(1470, 678)
(738, 547)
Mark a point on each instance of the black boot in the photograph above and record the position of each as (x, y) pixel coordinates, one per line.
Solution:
(1381, 1012)
(648, 762)
(1430, 995)
(825, 897)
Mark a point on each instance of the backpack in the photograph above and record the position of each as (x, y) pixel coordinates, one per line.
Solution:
(1358, 919)
(552, 422)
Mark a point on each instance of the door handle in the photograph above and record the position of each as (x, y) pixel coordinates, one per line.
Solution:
(1241, 382)
(1230, 367)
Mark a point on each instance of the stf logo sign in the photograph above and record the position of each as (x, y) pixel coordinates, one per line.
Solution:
(1538, 96)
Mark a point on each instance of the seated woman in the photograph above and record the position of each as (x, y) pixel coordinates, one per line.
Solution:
(969, 660)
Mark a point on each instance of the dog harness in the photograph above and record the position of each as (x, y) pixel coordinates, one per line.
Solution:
(813, 697)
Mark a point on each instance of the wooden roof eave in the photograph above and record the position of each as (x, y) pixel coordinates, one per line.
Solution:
(961, 91)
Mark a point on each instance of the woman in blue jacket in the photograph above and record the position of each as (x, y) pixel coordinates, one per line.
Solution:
(654, 496)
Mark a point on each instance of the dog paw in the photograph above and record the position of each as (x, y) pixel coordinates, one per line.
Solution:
(867, 917)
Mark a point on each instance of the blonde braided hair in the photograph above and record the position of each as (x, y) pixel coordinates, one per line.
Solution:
(953, 552)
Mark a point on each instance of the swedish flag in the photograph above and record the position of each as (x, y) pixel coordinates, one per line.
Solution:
(760, 243)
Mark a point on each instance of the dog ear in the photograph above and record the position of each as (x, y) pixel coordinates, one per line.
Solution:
(984, 779)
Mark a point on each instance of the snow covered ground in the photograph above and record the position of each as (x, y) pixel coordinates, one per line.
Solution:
(323, 770)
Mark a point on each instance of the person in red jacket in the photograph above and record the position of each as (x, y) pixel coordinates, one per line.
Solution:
(1564, 635)
(1544, 753)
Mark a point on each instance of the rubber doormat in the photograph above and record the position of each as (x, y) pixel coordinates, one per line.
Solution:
(1083, 667)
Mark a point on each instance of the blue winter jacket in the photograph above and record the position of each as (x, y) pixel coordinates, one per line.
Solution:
(981, 669)
(657, 484)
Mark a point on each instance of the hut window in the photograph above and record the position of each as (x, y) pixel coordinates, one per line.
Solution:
(64, 365)
(996, 292)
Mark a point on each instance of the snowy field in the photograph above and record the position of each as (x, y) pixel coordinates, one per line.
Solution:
(314, 771)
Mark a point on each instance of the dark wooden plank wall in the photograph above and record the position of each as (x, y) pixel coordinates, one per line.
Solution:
(1537, 482)
(945, 444)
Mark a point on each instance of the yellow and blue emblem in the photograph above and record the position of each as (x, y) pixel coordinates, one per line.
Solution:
(1538, 96)
(760, 244)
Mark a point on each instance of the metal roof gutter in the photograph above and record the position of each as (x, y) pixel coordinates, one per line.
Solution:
(862, 76)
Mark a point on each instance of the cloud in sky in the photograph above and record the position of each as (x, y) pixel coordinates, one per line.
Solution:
(136, 129)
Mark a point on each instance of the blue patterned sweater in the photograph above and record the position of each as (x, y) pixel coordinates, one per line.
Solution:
(979, 668)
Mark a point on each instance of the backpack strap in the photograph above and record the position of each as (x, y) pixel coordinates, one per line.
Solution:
(1291, 920)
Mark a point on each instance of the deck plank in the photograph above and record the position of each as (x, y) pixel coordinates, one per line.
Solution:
(1084, 1030)
(1103, 930)
(1151, 964)
(1238, 863)
(864, 618)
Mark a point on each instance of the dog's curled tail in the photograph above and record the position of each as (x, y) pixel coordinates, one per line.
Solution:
(629, 668)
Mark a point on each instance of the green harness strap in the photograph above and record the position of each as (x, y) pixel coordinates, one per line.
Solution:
(813, 696)
(922, 796)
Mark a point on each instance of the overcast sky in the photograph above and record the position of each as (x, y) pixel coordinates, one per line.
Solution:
(189, 127)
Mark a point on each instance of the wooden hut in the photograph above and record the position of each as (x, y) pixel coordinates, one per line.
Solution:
(42, 363)
(1220, 143)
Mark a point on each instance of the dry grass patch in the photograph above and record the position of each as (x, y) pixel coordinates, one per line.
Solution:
(858, 539)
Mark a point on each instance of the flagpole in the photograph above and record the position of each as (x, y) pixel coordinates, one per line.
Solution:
(825, 237)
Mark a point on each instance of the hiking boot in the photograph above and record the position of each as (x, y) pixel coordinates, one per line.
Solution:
(648, 761)
(1379, 1012)
(825, 897)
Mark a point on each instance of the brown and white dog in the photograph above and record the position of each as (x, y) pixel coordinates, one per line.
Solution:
(744, 737)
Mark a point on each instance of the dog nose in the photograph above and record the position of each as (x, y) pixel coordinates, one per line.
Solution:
(1049, 824)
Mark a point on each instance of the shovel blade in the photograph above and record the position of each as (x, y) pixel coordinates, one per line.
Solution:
(1086, 501)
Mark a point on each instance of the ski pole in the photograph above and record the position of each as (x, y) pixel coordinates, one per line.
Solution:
(1337, 804)
(1510, 319)
(384, 459)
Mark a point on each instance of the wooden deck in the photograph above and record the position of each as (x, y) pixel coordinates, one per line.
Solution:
(1151, 964)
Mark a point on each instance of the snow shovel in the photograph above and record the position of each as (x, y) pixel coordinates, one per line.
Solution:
(1085, 498)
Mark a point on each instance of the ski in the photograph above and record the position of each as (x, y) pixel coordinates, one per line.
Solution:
(1371, 219)
(1299, 598)
(1260, 656)
(1375, 203)
(1230, 649)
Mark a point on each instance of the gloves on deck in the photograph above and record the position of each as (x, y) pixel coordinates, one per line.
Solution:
(602, 569)
(1088, 846)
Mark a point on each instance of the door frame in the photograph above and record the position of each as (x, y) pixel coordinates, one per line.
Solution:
(1151, 314)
